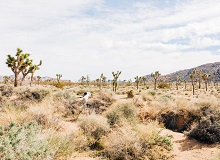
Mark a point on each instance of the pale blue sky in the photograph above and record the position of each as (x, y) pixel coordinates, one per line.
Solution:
(91, 37)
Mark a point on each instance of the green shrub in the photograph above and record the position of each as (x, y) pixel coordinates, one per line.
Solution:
(24, 142)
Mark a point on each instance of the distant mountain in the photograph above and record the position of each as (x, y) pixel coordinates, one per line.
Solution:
(209, 68)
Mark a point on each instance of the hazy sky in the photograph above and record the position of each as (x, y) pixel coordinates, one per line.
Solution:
(80, 37)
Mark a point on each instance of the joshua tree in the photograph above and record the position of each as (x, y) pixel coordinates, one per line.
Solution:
(34, 68)
(137, 80)
(38, 80)
(6, 79)
(178, 82)
(18, 64)
(185, 84)
(155, 76)
(58, 77)
(192, 77)
(102, 79)
(87, 80)
(216, 77)
(115, 80)
(144, 79)
(205, 78)
(82, 80)
(31, 68)
(199, 76)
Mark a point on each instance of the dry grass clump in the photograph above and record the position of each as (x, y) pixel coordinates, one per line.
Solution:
(48, 122)
(141, 142)
(121, 114)
(93, 127)
(63, 145)
(107, 97)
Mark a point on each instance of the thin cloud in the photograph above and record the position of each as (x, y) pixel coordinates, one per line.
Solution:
(77, 38)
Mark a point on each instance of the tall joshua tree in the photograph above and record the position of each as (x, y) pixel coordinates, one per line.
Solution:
(38, 80)
(82, 80)
(192, 77)
(58, 77)
(115, 80)
(198, 73)
(178, 82)
(137, 80)
(18, 63)
(185, 83)
(155, 76)
(205, 78)
(87, 80)
(144, 79)
(102, 79)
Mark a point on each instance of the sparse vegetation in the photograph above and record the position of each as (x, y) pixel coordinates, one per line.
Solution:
(49, 120)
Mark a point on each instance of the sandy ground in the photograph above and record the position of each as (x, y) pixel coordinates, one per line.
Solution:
(190, 149)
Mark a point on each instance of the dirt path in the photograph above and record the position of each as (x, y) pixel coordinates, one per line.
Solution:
(190, 149)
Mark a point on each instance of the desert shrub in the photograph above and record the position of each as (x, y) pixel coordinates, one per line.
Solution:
(152, 93)
(208, 127)
(24, 142)
(94, 127)
(124, 112)
(62, 144)
(80, 92)
(107, 97)
(130, 94)
(6, 90)
(142, 142)
(60, 85)
(48, 122)
(36, 95)
(166, 98)
(163, 85)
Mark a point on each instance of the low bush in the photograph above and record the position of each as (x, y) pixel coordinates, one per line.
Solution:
(24, 142)
(163, 85)
(107, 97)
(62, 144)
(130, 94)
(94, 127)
(142, 142)
(6, 90)
(36, 95)
(208, 127)
(121, 113)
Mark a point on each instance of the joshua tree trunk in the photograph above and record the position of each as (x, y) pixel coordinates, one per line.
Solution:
(155, 84)
(193, 88)
(16, 80)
